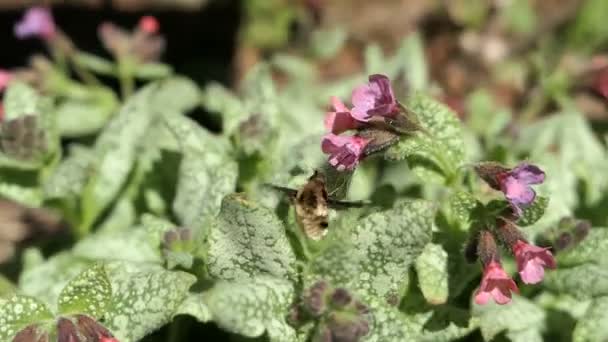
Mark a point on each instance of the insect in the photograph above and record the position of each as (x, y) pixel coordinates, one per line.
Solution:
(312, 204)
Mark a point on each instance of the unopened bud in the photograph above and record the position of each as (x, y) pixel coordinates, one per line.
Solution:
(491, 173)
(91, 330)
(486, 248)
(581, 230)
(31, 334)
(315, 300)
(66, 331)
(508, 233)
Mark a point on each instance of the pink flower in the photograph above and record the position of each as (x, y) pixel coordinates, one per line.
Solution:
(374, 98)
(149, 24)
(531, 261)
(340, 119)
(345, 152)
(5, 78)
(495, 283)
(108, 339)
(37, 22)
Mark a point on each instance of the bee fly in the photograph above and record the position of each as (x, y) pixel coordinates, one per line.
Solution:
(312, 205)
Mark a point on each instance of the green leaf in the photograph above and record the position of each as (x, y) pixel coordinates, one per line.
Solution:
(584, 281)
(206, 173)
(151, 71)
(534, 212)
(194, 305)
(518, 316)
(70, 176)
(592, 326)
(94, 63)
(19, 312)
(438, 153)
(462, 204)
(390, 324)
(593, 249)
(133, 245)
(144, 298)
(415, 69)
(250, 307)
(374, 258)
(46, 280)
(248, 240)
(89, 293)
(588, 31)
(20, 100)
(77, 117)
(218, 99)
(432, 270)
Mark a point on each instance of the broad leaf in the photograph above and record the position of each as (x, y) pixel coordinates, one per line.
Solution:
(592, 326)
(132, 245)
(593, 249)
(20, 100)
(89, 293)
(70, 176)
(376, 259)
(584, 281)
(248, 240)
(206, 173)
(194, 305)
(144, 299)
(518, 316)
(432, 270)
(462, 204)
(439, 151)
(250, 307)
(17, 312)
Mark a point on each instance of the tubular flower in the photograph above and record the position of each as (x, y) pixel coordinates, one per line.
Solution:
(345, 152)
(531, 261)
(374, 98)
(340, 119)
(495, 284)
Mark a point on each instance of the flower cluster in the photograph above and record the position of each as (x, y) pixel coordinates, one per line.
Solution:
(375, 113)
(531, 260)
(144, 43)
(338, 315)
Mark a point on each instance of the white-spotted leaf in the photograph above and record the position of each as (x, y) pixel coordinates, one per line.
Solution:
(89, 293)
(247, 240)
(250, 307)
(144, 299)
(18, 312)
(432, 270)
(592, 326)
(519, 315)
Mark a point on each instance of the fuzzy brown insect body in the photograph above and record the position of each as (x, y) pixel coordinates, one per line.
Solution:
(312, 204)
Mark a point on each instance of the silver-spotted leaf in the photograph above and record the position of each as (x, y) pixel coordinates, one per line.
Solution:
(534, 212)
(593, 249)
(17, 312)
(382, 246)
(583, 281)
(440, 150)
(592, 326)
(519, 315)
(194, 305)
(462, 204)
(250, 307)
(432, 270)
(247, 240)
(144, 298)
(89, 293)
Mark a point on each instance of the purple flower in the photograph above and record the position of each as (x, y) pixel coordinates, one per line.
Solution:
(340, 119)
(374, 98)
(37, 22)
(531, 261)
(515, 184)
(345, 152)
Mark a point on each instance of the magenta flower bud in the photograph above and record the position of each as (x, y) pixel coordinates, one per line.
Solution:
(531, 261)
(66, 331)
(341, 298)
(148, 24)
(37, 22)
(339, 119)
(91, 330)
(374, 98)
(345, 152)
(315, 299)
(495, 284)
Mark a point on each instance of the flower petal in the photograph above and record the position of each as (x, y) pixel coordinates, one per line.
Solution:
(517, 192)
(528, 174)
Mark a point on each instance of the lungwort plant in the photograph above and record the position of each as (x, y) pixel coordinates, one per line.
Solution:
(431, 230)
